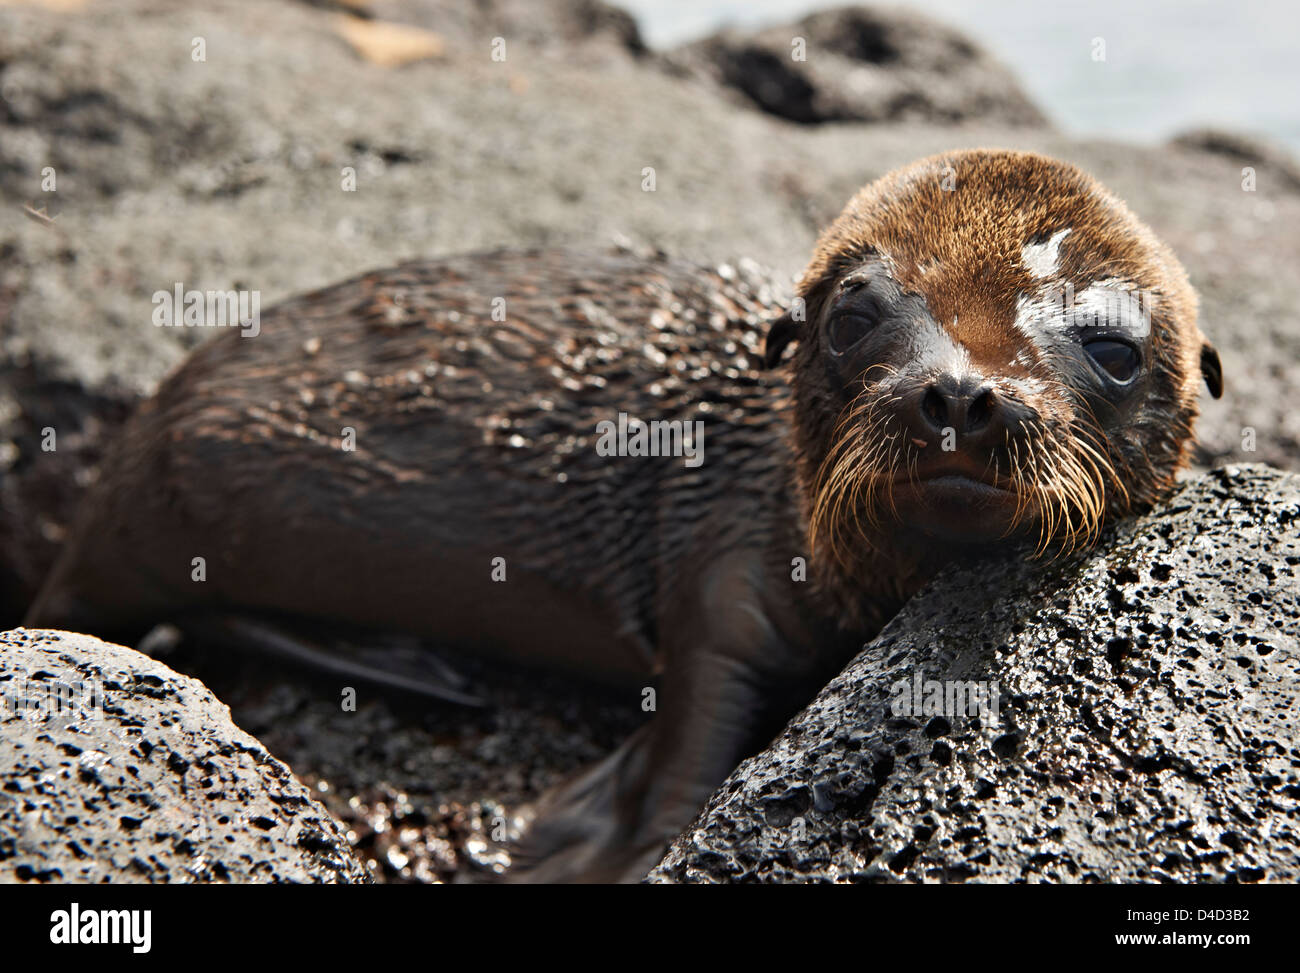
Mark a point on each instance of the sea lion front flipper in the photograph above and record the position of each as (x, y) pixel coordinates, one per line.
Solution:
(578, 833)
(723, 694)
(614, 821)
(256, 634)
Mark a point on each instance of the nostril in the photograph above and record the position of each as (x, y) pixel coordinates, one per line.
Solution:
(981, 410)
(934, 408)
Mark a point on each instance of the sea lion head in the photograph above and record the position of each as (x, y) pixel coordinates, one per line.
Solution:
(990, 345)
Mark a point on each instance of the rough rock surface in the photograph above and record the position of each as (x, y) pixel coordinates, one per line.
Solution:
(155, 784)
(1148, 728)
(861, 64)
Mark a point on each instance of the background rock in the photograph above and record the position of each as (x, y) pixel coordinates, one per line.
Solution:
(1147, 730)
(1271, 162)
(157, 785)
(554, 28)
(862, 64)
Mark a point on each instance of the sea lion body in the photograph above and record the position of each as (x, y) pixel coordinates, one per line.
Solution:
(473, 440)
(936, 400)
(476, 440)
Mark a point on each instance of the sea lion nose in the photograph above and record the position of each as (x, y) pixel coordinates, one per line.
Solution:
(969, 406)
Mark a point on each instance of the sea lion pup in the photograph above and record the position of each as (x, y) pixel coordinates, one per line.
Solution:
(990, 349)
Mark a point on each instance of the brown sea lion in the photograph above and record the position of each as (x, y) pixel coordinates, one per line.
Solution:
(991, 349)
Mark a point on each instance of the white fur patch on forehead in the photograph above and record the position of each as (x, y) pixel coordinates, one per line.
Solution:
(1115, 303)
(1043, 259)
(1057, 312)
(1039, 316)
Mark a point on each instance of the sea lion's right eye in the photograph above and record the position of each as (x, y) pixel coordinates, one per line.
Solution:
(1118, 360)
(847, 329)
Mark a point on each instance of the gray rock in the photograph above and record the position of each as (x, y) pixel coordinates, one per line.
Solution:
(550, 28)
(1271, 162)
(1146, 732)
(115, 768)
(861, 64)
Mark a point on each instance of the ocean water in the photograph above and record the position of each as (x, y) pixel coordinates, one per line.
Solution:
(1170, 65)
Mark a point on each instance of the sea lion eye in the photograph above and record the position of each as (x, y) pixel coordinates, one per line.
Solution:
(848, 329)
(1116, 359)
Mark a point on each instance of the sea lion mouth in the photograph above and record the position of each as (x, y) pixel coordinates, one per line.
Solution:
(956, 472)
(953, 504)
(959, 482)
(1049, 483)
(961, 486)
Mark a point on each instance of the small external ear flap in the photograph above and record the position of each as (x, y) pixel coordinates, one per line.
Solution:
(783, 331)
(1212, 370)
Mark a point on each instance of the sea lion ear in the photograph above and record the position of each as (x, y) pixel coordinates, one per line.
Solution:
(1211, 370)
(783, 331)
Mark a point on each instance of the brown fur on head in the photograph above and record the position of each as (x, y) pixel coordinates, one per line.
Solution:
(980, 284)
